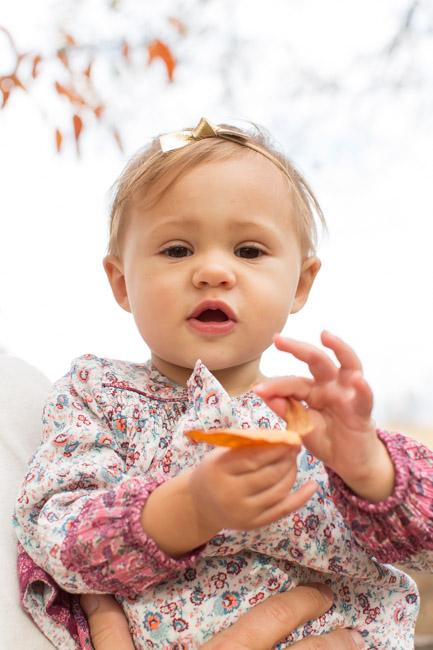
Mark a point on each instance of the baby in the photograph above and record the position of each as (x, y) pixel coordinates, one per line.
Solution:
(212, 246)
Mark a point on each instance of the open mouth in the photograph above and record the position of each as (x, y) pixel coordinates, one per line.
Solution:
(212, 316)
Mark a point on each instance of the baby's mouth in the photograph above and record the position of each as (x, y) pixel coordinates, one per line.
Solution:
(212, 316)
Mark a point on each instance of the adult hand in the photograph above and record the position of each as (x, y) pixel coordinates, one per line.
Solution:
(259, 629)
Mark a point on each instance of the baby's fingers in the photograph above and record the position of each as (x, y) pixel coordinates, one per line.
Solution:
(320, 364)
(276, 391)
(345, 354)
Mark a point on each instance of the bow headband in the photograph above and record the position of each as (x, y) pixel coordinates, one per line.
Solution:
(205, 129)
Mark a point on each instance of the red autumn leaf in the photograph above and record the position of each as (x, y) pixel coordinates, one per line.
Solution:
(36, 62)
(158, 49)
(59, 139)
(61, 54)
(177, 24)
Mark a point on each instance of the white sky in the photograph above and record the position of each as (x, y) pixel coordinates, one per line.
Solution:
(366, 150)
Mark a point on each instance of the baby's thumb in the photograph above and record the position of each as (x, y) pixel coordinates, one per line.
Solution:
(107, 622)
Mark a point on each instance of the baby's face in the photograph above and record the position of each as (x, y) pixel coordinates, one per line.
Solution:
(212, 270)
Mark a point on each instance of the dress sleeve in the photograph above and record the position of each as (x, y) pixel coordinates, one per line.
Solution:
(399, 529)
(78, 512)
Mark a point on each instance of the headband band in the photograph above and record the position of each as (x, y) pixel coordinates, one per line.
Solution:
(205, 129)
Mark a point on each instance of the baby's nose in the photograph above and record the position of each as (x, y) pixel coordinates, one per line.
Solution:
(214, 271)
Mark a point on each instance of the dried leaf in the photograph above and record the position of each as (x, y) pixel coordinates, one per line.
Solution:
(78, 127)
(177, 24)
(88, 70)
(61, 54)
(59, 139)
(70, 93)
(116, 136)
(242, 437)
(37, 59)
(158, 49)
(298, 421)
(98, 111)
(69, 39)
(297, 418)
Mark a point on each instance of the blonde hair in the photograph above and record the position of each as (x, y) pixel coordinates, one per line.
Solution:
(150, 166)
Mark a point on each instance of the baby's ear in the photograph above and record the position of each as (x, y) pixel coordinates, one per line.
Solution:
(309, 269)
(114, 270)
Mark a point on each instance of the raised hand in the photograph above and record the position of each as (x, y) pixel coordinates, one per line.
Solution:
(340, 402)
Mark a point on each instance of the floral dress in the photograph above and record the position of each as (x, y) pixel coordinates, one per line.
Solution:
(112, 432)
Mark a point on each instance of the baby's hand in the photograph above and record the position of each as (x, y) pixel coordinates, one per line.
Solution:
(340, 403)
(247, 487)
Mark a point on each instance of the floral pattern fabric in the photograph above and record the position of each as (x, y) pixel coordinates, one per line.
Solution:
(112, 432)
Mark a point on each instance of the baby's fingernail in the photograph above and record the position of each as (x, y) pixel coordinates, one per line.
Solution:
(89, 602)
(357, 638)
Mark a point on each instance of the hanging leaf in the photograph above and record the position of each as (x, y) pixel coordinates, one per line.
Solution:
(88, 70)
(7, 84)
(118, 139)
(78, 126)
(158, 50)
(70, 93)
(69, 39)
(98, 111)
(37, 59)
(59, 139)
(177, 24)
(61, 54)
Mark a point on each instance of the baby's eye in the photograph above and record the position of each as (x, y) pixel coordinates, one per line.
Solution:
(249, 252)
(177, 251)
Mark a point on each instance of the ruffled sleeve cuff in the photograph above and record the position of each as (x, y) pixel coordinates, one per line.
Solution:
(402, 525)
(109, 549)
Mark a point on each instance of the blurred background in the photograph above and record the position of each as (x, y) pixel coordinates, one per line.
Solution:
(346, 89)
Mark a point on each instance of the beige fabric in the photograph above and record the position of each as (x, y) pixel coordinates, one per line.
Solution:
(23, 390)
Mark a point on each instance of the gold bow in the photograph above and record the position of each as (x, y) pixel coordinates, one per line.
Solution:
(204, 129)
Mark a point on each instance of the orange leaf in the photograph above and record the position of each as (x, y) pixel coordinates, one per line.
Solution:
(242, 437)
(118, 139)
(61, 54)
(98, 111)
(36, 62)
(88, 70)
(69, 39)
(59, 139)
(298, 425)
(78, 125)
(158, 49)
(70, 93)
(177, 24)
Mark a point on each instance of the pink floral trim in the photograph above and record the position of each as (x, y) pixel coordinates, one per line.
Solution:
(63, 608)
(402, 525)
(107, 546)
